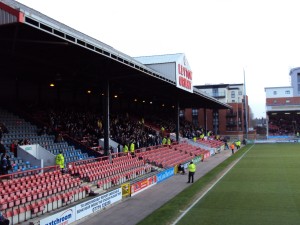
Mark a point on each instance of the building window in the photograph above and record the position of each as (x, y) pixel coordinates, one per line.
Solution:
(275, 101)
(232, 94)
(233, 101)
(215, 92)
(287, 92)
(240, 93)
(298, 77)
(287, 101)
(194, 112)
(274, 92)
(195, 122)
(181, 114)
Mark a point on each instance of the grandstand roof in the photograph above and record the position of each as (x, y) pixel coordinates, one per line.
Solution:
(155, 59)
(37, 50)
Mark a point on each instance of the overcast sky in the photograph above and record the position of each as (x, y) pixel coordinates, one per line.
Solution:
(220, 38)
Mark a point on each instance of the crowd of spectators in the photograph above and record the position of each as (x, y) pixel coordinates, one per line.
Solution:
(86, 125)
(284, 124)
(125, 130)
(87, 128)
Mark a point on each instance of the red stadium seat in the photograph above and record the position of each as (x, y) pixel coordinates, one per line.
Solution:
(49, 190)
(54, 202)
(27, 212)
(65, 198)
(34, 208)
(10, 202)
(76, 194)
(22, 214)
(3, 204)
(15, 217)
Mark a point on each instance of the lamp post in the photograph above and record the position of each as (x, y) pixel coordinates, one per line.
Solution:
(237, 114)
(267, 126)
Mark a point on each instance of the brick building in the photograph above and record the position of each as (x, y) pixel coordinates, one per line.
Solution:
(226, 121)
(283, 107)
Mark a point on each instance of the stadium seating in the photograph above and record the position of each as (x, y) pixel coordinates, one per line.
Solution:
(26, 197)
(27, 192)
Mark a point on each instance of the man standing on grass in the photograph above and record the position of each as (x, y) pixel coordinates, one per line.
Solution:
(192, 170)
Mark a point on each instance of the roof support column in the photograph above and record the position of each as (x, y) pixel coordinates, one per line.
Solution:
(106, 117)
(205, 120)
(216, 123)
(177, 121)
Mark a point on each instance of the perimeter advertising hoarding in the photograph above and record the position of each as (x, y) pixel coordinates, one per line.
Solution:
(184, 75)
(84, 209)
(98, 203)
(62, 218)
(142, 185)
(165, 174)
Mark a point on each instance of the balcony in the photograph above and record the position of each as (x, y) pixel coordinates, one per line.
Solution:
(220, 94)
(231, 124)
(233, 114)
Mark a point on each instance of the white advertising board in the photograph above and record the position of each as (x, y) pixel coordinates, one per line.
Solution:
(98, 203)
(62, 218)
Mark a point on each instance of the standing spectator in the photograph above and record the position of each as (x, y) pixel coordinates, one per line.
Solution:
(194, 138)
(164, 141)
(14, 147)
(119, 148)
(26, 141)
(59, 138)
(5, 163)
(60, 160)
(125, 149)
(202, 136)
(9, 166)
(162, 131)
(168, 141)
(111, 150)
(1, 133)
(238, 144)
(232, 148)
(225, 143)
(192, 170)
(2, 148)
(132, 148)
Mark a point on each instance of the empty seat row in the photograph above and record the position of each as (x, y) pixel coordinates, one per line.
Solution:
(29, 210)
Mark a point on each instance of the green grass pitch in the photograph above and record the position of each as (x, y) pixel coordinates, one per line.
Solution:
(263, 188)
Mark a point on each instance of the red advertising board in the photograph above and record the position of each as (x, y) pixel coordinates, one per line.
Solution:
(142, 185)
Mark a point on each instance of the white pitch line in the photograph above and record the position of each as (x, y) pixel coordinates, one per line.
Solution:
(195, 202)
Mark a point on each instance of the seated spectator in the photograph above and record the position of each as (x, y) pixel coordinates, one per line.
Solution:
(3, 220)
(5, 163)
(181, 169)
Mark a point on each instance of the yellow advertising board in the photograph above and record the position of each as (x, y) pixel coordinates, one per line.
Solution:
(125, 189)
